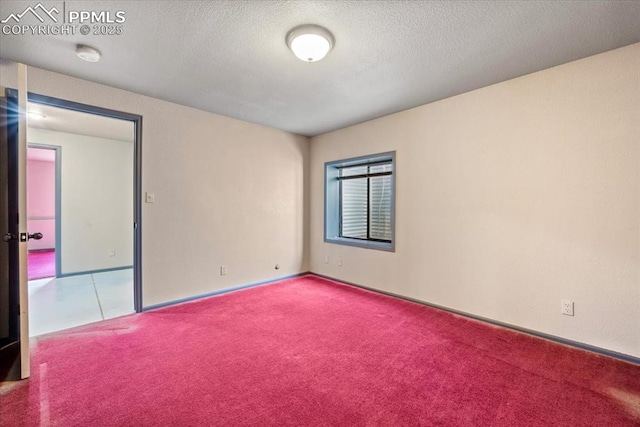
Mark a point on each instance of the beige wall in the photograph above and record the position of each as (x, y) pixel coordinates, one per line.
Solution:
(509, 199)
(227, 192)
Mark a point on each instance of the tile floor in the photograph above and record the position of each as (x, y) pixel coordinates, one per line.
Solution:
(56, 304)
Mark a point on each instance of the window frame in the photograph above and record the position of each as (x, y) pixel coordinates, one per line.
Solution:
(332, 201)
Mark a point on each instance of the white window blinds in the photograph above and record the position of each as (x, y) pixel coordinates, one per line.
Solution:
(365, 201)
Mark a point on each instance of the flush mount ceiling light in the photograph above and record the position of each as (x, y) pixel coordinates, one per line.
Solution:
(310, 43)
(87, 53)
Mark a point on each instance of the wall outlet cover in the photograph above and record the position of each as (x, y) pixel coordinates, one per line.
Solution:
(566, 307)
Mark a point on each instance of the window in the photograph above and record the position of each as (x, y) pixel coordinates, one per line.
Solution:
(359, 201)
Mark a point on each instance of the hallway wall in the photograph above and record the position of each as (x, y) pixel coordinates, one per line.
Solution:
(96, 198)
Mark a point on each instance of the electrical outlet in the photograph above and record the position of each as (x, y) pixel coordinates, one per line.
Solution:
(326, 259)
(223, 270)
(566, 307)
(112, 252)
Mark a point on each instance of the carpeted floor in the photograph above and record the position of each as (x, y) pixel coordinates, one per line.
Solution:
(41, 264)
(309, 351)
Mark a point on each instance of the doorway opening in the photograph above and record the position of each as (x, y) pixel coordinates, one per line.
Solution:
(43, 208)
(83, 195)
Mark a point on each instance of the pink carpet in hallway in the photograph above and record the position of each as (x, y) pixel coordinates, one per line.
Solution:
(310, 351)
(41, 264)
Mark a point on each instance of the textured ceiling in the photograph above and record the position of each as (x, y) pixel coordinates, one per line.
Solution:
(230, 57)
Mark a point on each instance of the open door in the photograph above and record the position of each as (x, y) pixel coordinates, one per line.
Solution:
(14, 302)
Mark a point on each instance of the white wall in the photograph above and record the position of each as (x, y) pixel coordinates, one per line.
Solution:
(227, 192)
(509, 199)
(96, 200)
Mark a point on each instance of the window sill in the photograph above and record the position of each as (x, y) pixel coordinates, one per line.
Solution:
(367, 244)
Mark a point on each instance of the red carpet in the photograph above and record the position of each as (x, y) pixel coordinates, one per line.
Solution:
(41, 264)
(309, 351)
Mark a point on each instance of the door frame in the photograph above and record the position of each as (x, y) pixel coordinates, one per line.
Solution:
(137, 175)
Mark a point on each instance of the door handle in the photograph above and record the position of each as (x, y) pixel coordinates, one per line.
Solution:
(23, 237)
(9, 237)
